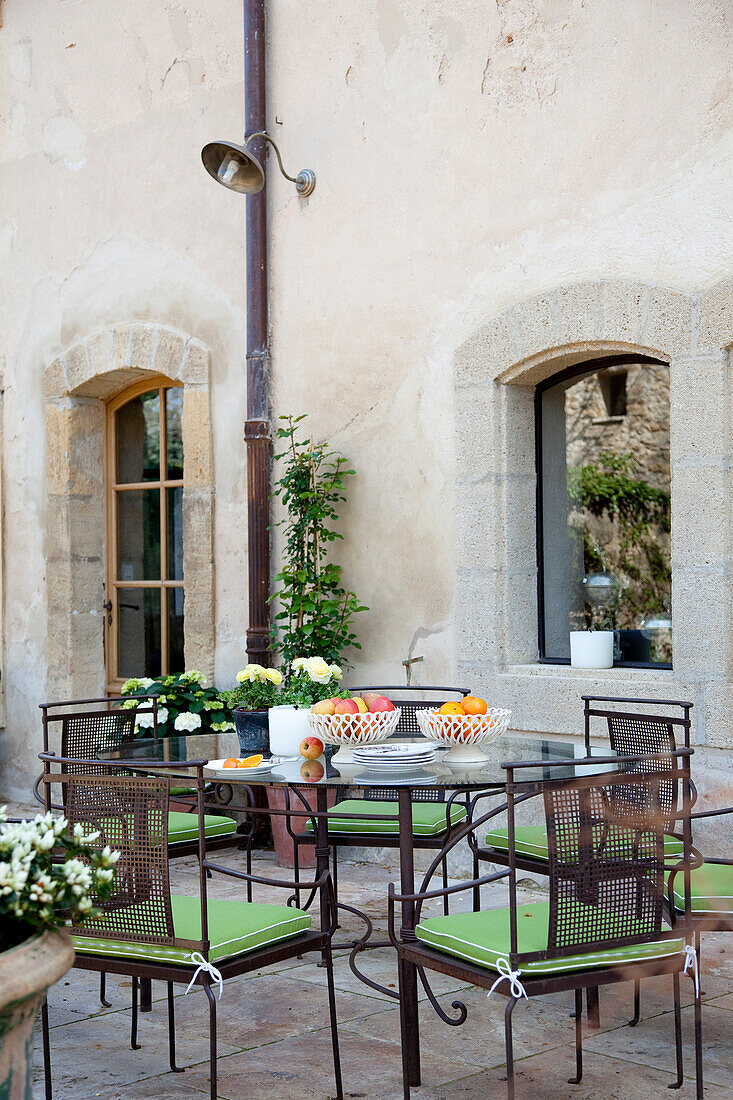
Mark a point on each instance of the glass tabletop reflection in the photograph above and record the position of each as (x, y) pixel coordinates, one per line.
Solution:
(440, 772)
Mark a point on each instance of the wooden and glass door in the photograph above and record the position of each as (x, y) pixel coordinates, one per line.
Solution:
(145, 594)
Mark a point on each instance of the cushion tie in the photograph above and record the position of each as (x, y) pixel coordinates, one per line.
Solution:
(691, 964)
(515, 986)
(208, 968)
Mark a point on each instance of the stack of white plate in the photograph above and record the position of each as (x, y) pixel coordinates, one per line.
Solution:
(395, 755)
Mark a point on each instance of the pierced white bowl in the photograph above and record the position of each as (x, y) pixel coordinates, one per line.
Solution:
(464, 734)
(351, 730)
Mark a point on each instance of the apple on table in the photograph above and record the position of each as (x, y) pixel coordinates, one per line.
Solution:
(311, 748)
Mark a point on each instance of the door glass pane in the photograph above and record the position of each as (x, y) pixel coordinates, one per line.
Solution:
(175, 630)
(606, 510)
(137, 434)
(173, 411)
(138, 632)
(175, 533)
(138, 535)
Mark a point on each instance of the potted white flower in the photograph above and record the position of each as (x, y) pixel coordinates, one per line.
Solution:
(256, 691)
(38, 894)
(311, 679)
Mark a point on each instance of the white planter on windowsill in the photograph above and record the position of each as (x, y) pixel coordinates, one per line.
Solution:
(288, 727)
(591, 648)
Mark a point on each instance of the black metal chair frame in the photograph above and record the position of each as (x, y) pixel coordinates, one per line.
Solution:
(169, 972)
(589, 864)
(407, 727)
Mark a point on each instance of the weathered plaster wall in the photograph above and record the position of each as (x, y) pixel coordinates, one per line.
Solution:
(468, 156)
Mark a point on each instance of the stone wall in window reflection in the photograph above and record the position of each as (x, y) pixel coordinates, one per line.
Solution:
(617, 440)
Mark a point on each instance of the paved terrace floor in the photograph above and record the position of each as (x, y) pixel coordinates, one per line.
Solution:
(274, 1042)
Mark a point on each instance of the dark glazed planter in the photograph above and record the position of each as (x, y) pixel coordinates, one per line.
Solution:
(252, 730)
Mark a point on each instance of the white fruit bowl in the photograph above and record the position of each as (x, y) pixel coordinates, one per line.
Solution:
(351, 730)
(464, 734)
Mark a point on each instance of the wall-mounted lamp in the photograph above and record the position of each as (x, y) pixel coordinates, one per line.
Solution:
(235, 167)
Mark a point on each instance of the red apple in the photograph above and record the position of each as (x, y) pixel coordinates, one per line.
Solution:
(311, 748)
(347, 706)
(312, 771)
(380, 704)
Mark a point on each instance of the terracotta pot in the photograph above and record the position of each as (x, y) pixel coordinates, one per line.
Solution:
(26, 972)
(283, 842)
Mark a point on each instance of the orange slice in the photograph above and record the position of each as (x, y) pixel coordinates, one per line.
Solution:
(251, 761)
(232, 762)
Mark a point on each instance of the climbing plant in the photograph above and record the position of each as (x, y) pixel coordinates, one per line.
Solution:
(316, 613)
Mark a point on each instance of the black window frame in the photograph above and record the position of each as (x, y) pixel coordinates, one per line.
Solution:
(587, 367)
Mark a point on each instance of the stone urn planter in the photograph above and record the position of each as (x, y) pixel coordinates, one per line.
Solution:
(252, 730)
(26, 972)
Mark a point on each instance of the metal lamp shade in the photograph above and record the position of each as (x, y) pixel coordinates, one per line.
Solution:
(233, 166)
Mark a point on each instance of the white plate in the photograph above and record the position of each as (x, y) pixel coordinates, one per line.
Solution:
(242, 773)
(416, 778)
(382, 766)
(397, 751)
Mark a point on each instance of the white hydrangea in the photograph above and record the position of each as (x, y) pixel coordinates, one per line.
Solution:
(223, 727)
(187, 721)
(193, 677)
(144, 718)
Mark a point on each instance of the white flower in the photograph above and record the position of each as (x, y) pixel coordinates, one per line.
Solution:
(318, 671)
(274, 676)
(192, 677)
(144, 720)
(187, 721)
(223, 727)
(300, 662)
(336, 672)
(136, 683)
(213, 704)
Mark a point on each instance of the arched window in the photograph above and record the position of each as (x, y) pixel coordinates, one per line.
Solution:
(145, 591)
(603, 508)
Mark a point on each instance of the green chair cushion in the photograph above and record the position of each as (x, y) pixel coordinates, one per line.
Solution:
(531, 840)
(484, 938)
(235, 927)
(428, 818)
(711, 889)
(182, 826)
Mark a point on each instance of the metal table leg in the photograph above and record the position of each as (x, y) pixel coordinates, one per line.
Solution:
(408, 977)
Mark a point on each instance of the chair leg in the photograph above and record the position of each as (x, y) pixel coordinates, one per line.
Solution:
(509, 1045)
(637, 1004)
(146, 995)
(212, 1037)
(172, 1032)
(477, 889)
(444, 868)
(134, 1045)
(296, 870)
(46, 1050)
(578, 1039)
(249, 870)
(594, 1011)
(335, 879)
(698, 1043)
(677, 1033)
(334, 1024)
(103, 990)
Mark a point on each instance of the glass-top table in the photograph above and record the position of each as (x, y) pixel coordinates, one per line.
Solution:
(298, 772)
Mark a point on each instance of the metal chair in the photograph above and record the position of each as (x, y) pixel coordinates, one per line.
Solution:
(83, 732)
(434, 817)
(604, 921)
(630, 733)
(147, 932)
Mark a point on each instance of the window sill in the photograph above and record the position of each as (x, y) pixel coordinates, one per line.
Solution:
(618, 672)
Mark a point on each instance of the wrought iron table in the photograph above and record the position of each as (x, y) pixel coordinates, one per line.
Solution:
(488, 777)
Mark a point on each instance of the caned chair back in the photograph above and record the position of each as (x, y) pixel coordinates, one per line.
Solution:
(606, 862)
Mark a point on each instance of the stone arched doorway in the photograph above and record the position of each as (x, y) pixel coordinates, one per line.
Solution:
(78, 383)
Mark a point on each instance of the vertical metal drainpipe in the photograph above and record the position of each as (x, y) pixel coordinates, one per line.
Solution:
(257, 425)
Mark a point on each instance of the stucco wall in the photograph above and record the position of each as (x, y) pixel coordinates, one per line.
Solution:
(468, 157)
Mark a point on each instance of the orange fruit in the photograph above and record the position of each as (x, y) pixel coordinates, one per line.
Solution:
(452, 708)
(232, 762)
(251, 761)
(473, 705)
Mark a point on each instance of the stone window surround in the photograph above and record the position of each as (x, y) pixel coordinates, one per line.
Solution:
(496, 371)
(78, 383)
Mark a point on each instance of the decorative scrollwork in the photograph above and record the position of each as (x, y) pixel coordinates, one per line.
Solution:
(457, 1005)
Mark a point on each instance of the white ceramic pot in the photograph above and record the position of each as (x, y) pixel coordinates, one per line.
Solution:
(591, 648)
(288, 727)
